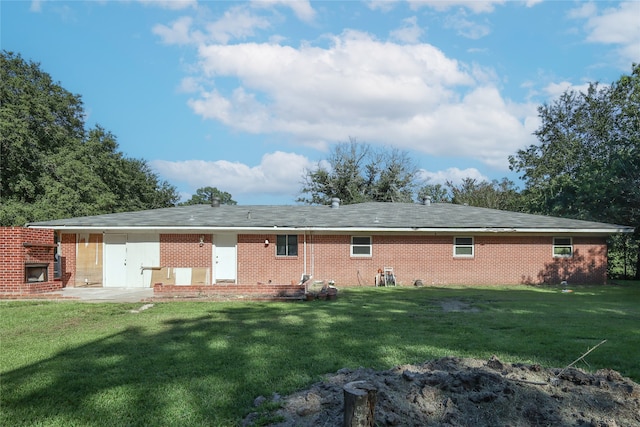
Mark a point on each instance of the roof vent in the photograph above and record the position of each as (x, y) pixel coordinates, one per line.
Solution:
(426, 200)
(215, 202)
(335, 203)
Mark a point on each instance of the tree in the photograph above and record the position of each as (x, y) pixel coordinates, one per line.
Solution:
(495, 194)
(51, 167)
(205, 195)
(437, 193)
(587, 163)
(356, 172)
(37, 117)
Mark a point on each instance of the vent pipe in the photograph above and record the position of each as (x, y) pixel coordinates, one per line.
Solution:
(335, 203)
(215, 202)
(426, 201)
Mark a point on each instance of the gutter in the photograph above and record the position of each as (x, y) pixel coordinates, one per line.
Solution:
(305, 229)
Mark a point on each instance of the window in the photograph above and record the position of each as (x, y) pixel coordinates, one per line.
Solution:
(463, 246)
(287, 245)
(360, 246)
(562, 247)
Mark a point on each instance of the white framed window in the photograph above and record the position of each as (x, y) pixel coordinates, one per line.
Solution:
(463, 247)
(361, 246)
(287, 245)
(562, 247)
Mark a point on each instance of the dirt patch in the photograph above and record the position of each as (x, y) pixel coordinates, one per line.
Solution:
(468, 392)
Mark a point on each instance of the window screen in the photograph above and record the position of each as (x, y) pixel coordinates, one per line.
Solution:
(361, 246)
(562, 247)
(463, 246)
(287, 245)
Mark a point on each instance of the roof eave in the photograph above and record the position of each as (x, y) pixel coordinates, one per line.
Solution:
(421, 230)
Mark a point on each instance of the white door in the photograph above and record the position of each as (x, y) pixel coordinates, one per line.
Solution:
(224, 258)
(115, 260)
(143, 252)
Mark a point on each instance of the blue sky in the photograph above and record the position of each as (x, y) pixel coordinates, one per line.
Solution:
(245, 96)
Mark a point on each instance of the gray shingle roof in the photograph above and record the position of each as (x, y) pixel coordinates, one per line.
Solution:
(369, 216)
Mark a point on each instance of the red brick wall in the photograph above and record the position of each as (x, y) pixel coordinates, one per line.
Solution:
(14, 255)
(497, 260)
(11, 258)
(68, 254)
(258, 263)
(185, 250)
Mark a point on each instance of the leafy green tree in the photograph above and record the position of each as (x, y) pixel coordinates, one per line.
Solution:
(494, 194)
(587, 163)
(356, 172)
(37, 117)
(51, 167)
(205, 195)
(437, 193)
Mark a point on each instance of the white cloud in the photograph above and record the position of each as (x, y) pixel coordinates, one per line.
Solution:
(554, 90)
(411, 96)
(301, 8)
(382, 5)
(465, 27)
(179, 32)
(585, 10)
(64, 10)
(482, 126)
(476, 6)
(190, 85)
(453, 175)
(614, 26)
(237, 23)
(170, 4)
(36, 6)
(277, 173)
(410, 32)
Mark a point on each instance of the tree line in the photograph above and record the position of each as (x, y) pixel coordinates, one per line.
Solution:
(586, 164)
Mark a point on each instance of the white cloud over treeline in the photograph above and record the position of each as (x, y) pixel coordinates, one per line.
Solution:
(399, 91)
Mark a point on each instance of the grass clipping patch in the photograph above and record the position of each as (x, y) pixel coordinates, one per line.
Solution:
(457, 392)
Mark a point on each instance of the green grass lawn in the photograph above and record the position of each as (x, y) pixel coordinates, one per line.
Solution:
(203, 363)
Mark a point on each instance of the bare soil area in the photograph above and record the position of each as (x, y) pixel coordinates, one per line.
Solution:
(469, 392)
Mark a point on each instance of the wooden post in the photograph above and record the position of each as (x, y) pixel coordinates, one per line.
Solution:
(359, 404)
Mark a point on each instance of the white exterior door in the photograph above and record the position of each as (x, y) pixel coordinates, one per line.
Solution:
(143, 251)
(115, 261)
(125, 257)
(224, 258)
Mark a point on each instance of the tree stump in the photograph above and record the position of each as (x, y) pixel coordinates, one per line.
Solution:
(359, 404)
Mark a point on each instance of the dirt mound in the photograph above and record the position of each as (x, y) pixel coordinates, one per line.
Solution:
(469, 392)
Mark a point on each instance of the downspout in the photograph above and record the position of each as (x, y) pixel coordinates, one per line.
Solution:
(304, 251)
(313, 254)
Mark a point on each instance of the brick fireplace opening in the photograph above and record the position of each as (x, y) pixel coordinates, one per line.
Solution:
(35, 273)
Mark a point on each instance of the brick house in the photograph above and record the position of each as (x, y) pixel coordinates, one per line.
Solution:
(244, 247)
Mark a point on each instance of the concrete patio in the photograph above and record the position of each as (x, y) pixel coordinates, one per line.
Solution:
(106, 294)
